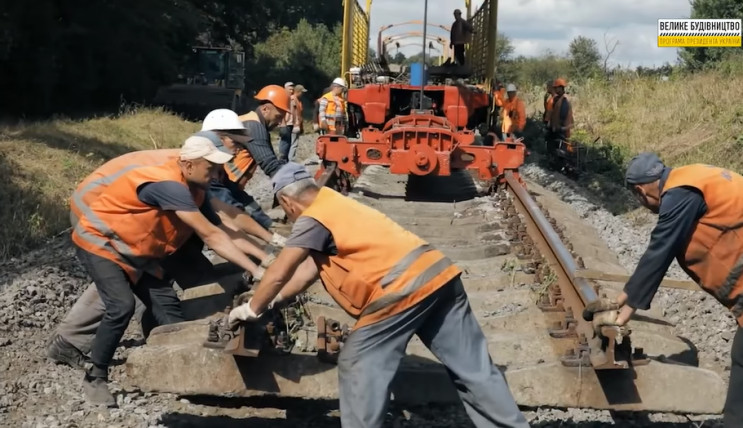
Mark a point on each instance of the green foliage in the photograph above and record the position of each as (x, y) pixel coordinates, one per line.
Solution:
(534, 71)
(701, 58)
(308, 54)
(73, 57)
(584, 57)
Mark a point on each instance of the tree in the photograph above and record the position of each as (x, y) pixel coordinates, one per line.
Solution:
(699, 58)
(584, 57)
(610, 45)
(503, 48)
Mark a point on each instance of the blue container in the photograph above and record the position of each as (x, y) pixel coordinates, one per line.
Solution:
(418, 74)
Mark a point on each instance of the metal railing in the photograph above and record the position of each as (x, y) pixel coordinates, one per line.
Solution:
(355, 45)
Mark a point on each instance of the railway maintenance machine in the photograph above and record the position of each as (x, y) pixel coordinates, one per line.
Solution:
(429, 121)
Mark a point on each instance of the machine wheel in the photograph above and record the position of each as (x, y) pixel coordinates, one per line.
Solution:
(339, 180)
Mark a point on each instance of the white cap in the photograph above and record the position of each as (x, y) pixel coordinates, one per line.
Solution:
(288, 85)
(223, 119)
(196, 147)
(510, 87)
(339, 81)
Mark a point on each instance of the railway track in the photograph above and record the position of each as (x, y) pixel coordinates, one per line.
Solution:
(520, 271)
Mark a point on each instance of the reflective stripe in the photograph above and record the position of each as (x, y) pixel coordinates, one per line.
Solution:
(404, 264)
(419, 281)
(723, 293)
(234, 170)
(116, 246)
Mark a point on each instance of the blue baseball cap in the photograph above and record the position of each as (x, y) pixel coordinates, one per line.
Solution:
(290, 173)
(644, 168)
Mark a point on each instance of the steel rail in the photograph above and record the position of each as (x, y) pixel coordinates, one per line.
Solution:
(576, 291)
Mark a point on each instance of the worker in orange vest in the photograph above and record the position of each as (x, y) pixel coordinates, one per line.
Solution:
(396, 285)
(144, 215)
(560, 118)
(514, 114)
(73, 338)
(700, 217)
(333, 110)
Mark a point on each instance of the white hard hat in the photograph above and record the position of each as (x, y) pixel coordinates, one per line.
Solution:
(510, 87)
(288, 85)
(223, 119)
(339, 81)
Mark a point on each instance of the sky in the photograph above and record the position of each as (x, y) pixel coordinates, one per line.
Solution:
(535, 26)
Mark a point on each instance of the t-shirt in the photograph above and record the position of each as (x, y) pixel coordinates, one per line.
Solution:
(174, 196)
(311, 234)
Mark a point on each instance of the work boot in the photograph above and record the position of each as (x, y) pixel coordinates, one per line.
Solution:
(96, 390)
(61, 351)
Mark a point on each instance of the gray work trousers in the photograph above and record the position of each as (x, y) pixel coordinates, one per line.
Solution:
(445, 323)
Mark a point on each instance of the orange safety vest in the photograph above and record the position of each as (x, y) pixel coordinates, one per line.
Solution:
(714, 255)
(119, 227)
(334, 104)
(242, 166)
(381, 269)
(549, 100)
(95, 183)
(514, 115)
(499, 95)
(555, 122)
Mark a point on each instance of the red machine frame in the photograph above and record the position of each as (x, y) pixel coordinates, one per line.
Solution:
(420, 143)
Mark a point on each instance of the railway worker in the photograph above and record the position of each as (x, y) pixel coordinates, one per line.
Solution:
(122, 237)
(560, 118)
(274, 105)
(700, 213)
(548, 101)
(73, 337)
(288, 151)
(333, 109)
(396, 285)
(514, 114)
(460, 34)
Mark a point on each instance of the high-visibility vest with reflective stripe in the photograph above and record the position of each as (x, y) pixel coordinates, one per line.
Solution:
(381, 269)
(331, 111)
(136, 236)
(92, 186)
(714, 255)
(242, 166)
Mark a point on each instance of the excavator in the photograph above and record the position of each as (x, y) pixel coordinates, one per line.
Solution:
(214, 77)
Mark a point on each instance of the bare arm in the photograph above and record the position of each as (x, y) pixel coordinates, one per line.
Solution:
(305, 275)
(216, 239)
(241, 219)
(277, 276)
(241, 241)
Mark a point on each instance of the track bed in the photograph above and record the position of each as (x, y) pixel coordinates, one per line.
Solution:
(484, 236)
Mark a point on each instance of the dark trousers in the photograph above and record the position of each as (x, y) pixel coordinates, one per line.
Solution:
(285, 141)
(117, 293)
(459, 54)
(733, 414)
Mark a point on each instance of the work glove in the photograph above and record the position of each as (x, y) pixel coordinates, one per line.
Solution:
(268, 260)
(295, 130)
(278, 240)
(599, 305)
(242, 313)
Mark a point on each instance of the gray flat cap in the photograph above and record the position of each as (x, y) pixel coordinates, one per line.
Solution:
(644, 168)
(288, 174)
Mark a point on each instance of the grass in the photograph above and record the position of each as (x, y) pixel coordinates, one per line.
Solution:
(687, 119)
(42, 163)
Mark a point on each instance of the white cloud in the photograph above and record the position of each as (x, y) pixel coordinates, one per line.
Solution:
(535, 26)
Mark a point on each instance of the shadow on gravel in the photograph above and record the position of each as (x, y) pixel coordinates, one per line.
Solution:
(298, 413)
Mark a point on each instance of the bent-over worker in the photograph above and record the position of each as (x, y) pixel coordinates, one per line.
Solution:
(74, 336)
(121, 238)
(396, 285)
(700, 216)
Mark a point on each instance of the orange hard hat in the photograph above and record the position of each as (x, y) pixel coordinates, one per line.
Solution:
(560, 82)
(276, 95)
